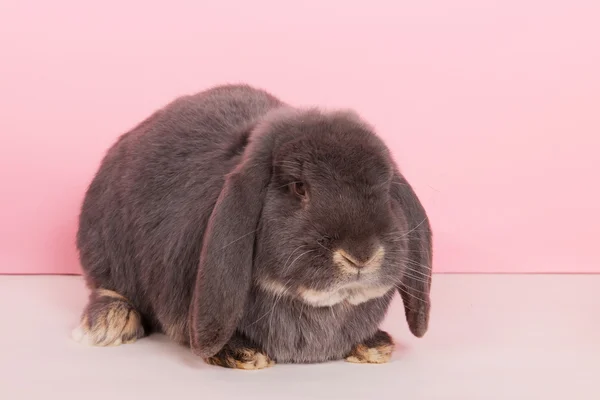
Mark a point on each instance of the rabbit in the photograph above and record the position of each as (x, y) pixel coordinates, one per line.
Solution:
(252, 232)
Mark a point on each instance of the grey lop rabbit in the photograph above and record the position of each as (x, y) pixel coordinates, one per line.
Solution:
(253, 232)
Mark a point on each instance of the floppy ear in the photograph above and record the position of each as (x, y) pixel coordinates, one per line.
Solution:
(416, 282)
(224, 274)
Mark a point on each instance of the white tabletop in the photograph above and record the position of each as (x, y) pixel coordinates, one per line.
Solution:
(491, 337)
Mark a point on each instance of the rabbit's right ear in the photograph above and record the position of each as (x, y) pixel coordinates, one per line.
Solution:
(225, 271)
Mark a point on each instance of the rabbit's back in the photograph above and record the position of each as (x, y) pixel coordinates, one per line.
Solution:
(144, 214)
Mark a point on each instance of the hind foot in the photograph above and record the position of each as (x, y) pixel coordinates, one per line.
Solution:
(108, 320)
(376, 350)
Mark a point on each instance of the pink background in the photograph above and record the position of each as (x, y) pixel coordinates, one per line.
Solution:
(492, 108)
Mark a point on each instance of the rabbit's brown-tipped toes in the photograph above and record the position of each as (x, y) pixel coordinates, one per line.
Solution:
(239, 353)
(108, 320)
(376, 350)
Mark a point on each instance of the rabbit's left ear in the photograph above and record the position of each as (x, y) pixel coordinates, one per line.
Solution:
(416, 281)
(224, 274)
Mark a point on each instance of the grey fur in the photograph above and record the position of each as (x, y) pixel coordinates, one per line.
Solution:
(191, 209)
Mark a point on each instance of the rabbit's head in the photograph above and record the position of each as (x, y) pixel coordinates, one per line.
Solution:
(315, 210)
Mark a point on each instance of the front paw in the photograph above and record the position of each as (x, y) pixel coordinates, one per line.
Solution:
(241, 359)
(376, 350)
(240, 354)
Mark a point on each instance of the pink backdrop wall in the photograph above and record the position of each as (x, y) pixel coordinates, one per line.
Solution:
(492, 108)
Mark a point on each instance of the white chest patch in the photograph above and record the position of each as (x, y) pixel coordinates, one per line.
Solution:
(352, 294)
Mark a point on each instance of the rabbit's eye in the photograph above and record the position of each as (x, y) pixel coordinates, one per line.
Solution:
(298, 189)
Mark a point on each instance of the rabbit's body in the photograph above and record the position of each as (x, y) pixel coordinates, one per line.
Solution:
(145, 213)
(145, 219)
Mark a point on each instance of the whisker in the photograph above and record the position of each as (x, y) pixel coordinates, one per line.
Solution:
(411, 270)
(333, 314)
(302, 308)
(411, 261)
(240, 238)
(260, 318)
(416, 264)
(277, 296)
(415, 290)
(291, 254)
(277, 299)
(406, 251)
(296, 259)
(400, 288)
(289, 183)
(416, 279)
(323, 246)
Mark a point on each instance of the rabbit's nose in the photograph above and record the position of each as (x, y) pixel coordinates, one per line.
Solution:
(363, 254)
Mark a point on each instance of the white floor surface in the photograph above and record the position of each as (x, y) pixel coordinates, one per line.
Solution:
(491, 337)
